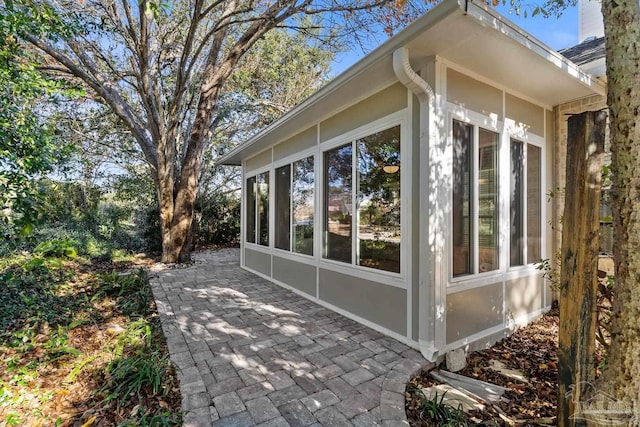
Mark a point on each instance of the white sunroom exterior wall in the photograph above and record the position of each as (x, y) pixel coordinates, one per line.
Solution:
(424, 317)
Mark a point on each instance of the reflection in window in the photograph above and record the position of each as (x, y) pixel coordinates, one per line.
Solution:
(251, 210)
(461, 198)
(525, 187)
(377, 191)
(487, 200)
(283, 207)
(534, 204)
(516, 247)
(379, 200)
(475, 215)
(302, 199)
(338, 203)
(262, 183)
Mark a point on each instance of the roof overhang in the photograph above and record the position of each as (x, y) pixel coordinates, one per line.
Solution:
(472, 36)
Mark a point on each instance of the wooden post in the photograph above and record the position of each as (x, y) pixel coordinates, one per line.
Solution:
(579, 255)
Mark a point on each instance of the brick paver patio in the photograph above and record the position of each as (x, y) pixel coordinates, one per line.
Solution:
(249, 352)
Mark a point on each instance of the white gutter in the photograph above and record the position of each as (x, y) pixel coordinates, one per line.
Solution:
(426, 292)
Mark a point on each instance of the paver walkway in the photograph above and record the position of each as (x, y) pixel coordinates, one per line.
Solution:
(249, 352)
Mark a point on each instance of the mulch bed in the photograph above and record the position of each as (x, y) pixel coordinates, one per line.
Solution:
(531, 350)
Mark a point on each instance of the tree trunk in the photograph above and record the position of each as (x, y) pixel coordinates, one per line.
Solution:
(176, 219)
(622, 31)
(578, 276)
(177, 235)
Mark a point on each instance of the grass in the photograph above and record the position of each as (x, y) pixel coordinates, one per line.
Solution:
(81, 344)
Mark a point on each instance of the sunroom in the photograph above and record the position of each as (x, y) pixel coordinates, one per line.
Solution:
(409, 193)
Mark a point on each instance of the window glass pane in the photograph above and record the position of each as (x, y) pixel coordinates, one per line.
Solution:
(379, 200)
(487, 200)
(302, 199)
(534, 203)
(251, 210)
(516, 251)
(338, 203)
(283, 207)
(461, 206)
(263, 208)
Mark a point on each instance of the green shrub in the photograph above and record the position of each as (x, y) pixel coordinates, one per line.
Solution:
(133, 375)
(148, 228)
(130, 290)
(218, 217)
(61, 248)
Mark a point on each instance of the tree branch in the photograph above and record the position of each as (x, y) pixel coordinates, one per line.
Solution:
(103, 88)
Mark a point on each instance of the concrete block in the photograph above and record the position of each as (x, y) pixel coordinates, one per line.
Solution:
(456, 360)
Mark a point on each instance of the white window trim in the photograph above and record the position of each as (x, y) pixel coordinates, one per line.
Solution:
(491, 124)
(506, 130)
(289, 160)
(250, 245)
(309, 152)
(399, 118)
(520, 133)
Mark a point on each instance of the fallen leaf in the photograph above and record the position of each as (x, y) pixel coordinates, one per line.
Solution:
(90, 422)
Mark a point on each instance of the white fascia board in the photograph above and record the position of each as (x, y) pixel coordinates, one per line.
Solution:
(490, 18)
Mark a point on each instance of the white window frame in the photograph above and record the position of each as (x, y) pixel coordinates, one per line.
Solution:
(513, 131)
(507, 130)
(399, 118)
(257, 246)
(290, 160)
(493, 125)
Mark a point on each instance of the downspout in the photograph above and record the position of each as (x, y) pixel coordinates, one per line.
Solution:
(426, 289)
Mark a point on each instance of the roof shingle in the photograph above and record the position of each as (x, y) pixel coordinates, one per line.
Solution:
(585, 52)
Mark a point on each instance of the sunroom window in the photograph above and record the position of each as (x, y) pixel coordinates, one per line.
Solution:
(302, 199)
(338, 175)
(474, 200)
(283, 207)
(526, 208)
(294, 206)
(362, 201)
(251, 209)
(257, 210)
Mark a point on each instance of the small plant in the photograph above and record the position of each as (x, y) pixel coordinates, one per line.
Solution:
(61, 248)
(57, 345)
(131, 376)
(130, 290)
(137, 336)
(436, 411)
(550, 268)
(144, 419)
(13, 419)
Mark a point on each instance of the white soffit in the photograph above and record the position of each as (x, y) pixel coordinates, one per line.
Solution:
(486, 43)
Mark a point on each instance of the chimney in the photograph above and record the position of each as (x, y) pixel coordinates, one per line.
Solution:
(590, 22)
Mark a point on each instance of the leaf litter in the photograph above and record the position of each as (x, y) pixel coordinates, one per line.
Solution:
(57, 357)
(531, 401)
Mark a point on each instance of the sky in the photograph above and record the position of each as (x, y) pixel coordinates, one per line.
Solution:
(557, 33)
